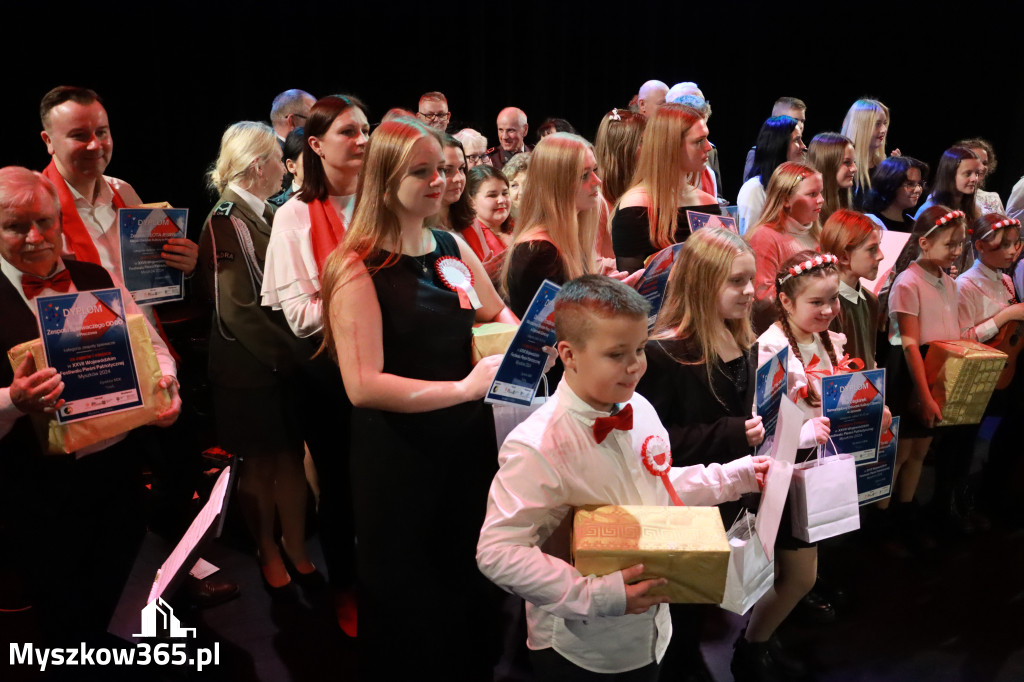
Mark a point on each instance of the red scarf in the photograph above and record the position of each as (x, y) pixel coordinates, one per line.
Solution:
(76, 235)
(326, 230)
(490, 239)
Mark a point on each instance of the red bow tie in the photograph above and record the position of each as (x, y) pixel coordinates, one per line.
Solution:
(622, 420)
(33, 286)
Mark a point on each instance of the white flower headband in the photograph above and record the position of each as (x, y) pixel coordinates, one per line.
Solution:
(952, 215)
(984, 235)
(808, 265)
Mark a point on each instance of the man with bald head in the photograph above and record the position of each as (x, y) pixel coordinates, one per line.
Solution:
(651, 96)
(512, 129)
(289, 111)
(72, 524)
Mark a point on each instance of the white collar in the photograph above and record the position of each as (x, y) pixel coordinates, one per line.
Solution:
(255, 204)
(987, 271)
(104, 196)
(850, 294)
(568, 399)
(927, 276)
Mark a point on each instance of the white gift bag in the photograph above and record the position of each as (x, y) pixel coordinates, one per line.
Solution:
(823, 494)
(508, 416)
(750, 572)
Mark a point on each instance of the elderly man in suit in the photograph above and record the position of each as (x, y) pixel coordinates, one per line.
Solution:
(74, 521)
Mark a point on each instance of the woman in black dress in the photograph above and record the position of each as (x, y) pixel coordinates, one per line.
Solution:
(401, 301)
(651, 215)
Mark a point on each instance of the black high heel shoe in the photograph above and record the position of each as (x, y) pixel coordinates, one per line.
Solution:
(312, 580)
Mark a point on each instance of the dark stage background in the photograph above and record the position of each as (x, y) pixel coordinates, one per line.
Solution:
(173, 75)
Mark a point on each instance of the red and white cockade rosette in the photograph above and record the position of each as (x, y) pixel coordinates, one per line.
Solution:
(657, 459)
(457, 276)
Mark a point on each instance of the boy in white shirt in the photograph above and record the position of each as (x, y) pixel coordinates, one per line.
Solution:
(583, 447)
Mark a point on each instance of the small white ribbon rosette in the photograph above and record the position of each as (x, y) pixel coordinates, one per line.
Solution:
(657, 459)
(457, 276)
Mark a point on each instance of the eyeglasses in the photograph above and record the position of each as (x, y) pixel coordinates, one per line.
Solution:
(302, 116)
(911, 186)
(478, 158)
(435, 117)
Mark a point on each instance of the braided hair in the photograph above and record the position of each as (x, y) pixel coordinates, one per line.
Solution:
(790, 284)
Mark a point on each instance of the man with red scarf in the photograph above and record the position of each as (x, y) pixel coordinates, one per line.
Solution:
(77, 135)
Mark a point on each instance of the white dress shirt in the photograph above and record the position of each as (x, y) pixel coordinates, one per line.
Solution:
(291, 280)
(982, 292)
(100, 219)
(551, 464)
(9, 414)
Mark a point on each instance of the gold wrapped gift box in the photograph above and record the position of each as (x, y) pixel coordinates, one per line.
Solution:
(57, 438)
(962, 375)
(492, 338)
(686, 545)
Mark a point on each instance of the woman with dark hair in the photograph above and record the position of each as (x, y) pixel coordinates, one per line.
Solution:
(453, 200)
(311, 224)
(957, 178)
(780, 140)
(306, 230)
(489, 229)
(292, 148)
(896, 187)
(554, 125)
(988, 202)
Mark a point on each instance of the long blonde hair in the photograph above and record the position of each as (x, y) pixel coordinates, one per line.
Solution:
(690, 310)
(548, 203)
(658, 169)
(783, 184)
(375, 226)
(859, 126)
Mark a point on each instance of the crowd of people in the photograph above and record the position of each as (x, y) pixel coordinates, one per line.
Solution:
(335, 261)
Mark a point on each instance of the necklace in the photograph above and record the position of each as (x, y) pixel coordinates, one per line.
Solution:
(422, 260)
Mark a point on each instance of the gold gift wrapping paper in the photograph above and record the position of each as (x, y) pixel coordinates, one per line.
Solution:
(492, 338)
(962, 375)
(686, 545)
(58, 438)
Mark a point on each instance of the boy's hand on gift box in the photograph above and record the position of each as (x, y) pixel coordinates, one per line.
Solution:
(761, 464)
(755, 431)
(170, 415)
(822, 430)
(36, 391)
(637, 599)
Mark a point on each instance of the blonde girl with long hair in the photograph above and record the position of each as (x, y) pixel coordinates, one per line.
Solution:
(788, 224)
(651, 215)
(423, 451)
(867, 125)
(555, 235)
